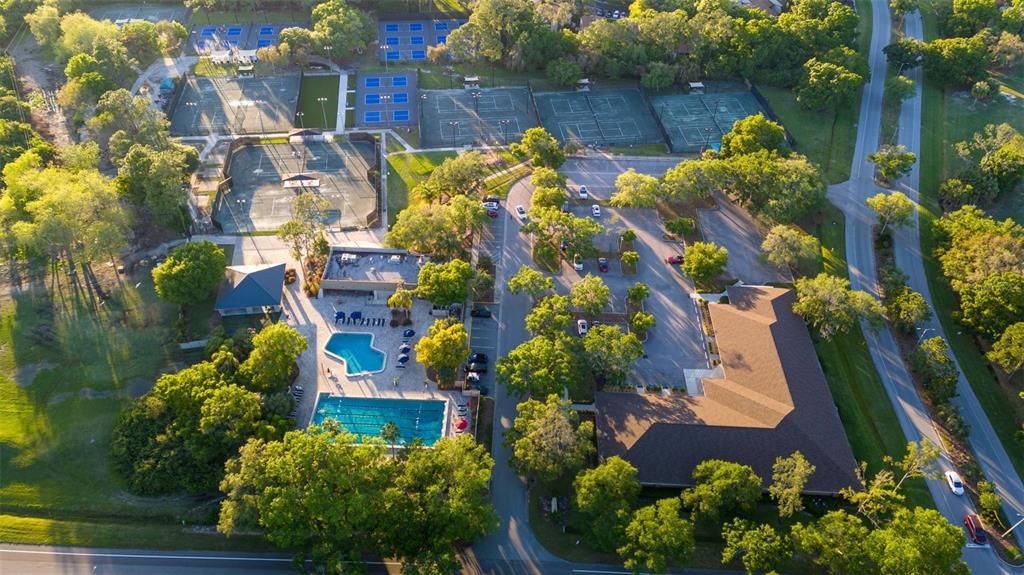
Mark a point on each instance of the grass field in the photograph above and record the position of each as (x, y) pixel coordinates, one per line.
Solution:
(67, 369)
(864, 407)
(318, 114)
(405, 171)
(827, 139)
(945, 120)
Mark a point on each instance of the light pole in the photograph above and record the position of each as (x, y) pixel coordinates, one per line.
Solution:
(195, 113)
(302, 126)
(1021, 520)
(384, 51)
(328, 48)
(455, 126)
(323, 109)
(707, 139)
(259, 114)
(385, 98)
(923, 331)
(504, 130)
(423, 104)
(476, 103)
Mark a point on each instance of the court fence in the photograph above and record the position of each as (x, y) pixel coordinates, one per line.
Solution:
(533, 102)
(650, 108)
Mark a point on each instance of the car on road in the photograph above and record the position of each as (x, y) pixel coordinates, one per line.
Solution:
(956, 485)
(581, 327)
(584, 193)
(595, 210)
(676, 259)
(602, 264)
(521, 212)
(476, 368)
(480, 312)
(478, 357)
(974, 529)
(577, 263)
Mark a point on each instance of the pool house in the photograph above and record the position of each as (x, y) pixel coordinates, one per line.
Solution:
(375, 272)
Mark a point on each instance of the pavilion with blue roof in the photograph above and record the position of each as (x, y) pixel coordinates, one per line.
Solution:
(253, 289)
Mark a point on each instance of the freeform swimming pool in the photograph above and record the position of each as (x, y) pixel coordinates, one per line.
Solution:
(364, 416)
(357, 352)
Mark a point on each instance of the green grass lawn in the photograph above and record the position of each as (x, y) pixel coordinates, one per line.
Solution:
(827, 139)
(405, 171)
(485, 422)
(945, 120)
(67, 369)
(318, 114)
(449, 7)
(864, 407)
(640, 150)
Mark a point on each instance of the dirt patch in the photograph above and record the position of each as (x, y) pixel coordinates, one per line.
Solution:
(37, 74)
(26, 374)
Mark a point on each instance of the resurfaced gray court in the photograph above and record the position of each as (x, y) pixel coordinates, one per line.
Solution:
(230, 105)
(491, 116)
(600, 117)
(266, 178)
(694, 121)
(140, 11)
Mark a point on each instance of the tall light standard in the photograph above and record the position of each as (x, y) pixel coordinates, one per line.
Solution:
(259, 114)
(504, 130)
(323, 109)
(423, 103)
(707, 139)
(299, 115)
(923, 330)
(476, 102)
(328, 48)
(455, 126)
(384, 52)
(385, 98)
(1003, 536)
(195, 113)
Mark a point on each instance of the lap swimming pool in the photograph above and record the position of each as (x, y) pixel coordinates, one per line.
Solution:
(365, 416)
(357, 352)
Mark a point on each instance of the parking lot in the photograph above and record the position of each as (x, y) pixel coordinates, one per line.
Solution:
(731, 227)
(484, 330)
(676, 342)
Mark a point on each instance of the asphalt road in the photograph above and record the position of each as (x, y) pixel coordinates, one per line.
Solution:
(850, 197)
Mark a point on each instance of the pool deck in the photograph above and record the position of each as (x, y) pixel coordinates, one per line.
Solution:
(314, 319)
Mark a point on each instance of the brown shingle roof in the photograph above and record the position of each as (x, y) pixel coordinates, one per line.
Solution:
(773, 400)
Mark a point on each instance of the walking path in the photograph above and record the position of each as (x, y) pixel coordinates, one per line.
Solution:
(850, 197)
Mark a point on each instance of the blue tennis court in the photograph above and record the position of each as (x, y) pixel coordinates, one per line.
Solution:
(208, 31)
(267, 31)
(235, 31)
(262, 43)
(388, 99)
(406, 41)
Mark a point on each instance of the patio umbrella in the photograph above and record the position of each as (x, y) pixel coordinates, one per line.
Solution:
(408, 333)
(461, 424)
(405, 348)
(403, 358)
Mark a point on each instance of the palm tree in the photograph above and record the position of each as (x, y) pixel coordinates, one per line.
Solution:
(389, 432)
(401, 299)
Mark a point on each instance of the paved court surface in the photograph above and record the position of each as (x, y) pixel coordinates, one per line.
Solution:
(385, 100)
(260, 199)
(694, 122)
(491, 116)
(598, 117)
(140, 11)
(408, 40)
(230, 105)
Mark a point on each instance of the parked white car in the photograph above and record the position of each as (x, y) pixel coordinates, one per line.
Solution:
(584, 194)
(595, 210)
(581, 327)
(577, 263)
(521, 212)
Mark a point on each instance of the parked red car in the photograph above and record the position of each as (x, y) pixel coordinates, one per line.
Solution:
(974, 530)
(602, 264)
(674, 260)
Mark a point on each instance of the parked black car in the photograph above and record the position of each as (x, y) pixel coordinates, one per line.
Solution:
(478, 358)
(476, 368)
(480, 312)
